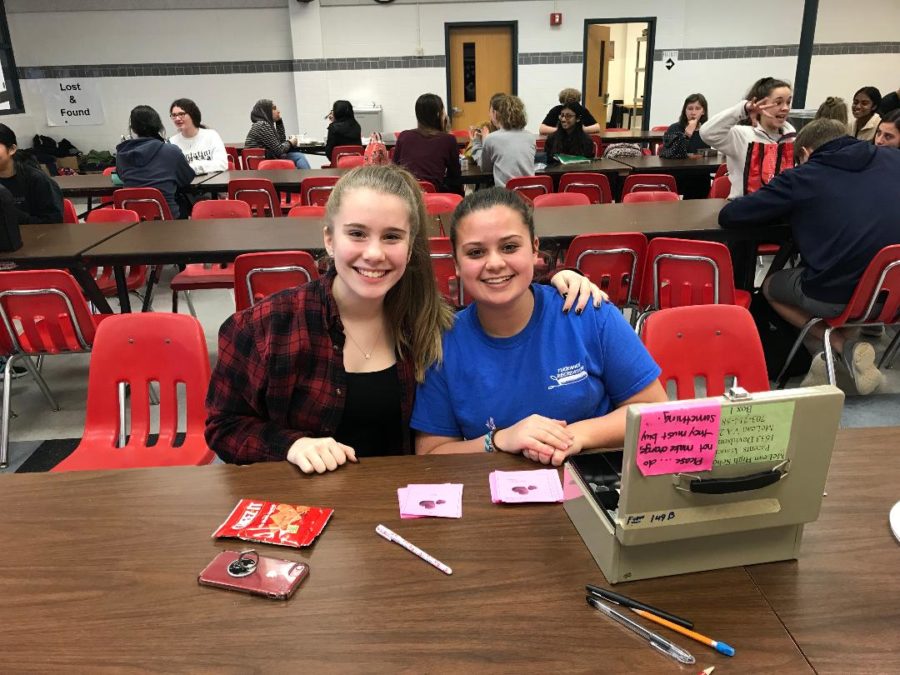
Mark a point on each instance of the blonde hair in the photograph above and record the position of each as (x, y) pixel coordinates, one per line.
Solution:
(511, 112)
(414, 307)
(569, 95)
(834, 108)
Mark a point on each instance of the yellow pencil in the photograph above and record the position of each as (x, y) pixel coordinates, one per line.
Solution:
(720, 647)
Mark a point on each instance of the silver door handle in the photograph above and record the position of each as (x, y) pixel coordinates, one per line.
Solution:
(455, 111)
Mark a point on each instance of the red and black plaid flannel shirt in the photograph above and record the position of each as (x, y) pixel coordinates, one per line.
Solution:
(280, 376)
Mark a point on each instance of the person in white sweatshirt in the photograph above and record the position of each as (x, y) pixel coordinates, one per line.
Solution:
(203, 148)
(761, 118)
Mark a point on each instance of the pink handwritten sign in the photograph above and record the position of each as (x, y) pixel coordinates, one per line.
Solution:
(678, 437)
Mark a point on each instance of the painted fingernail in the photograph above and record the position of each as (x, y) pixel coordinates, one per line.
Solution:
(578, 311)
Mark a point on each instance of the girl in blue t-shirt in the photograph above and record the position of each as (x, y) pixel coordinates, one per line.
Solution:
(518, 375)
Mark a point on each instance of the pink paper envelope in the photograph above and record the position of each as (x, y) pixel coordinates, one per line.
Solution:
(519, 487)
(401, 498)
(441, 500)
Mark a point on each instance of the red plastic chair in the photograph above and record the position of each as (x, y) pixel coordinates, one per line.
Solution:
(598, 146)
(70, 215)
(649, 182)
(234, 155)
(275, 165)
(640, 197)
(427, 186)
(682, 272)
(231, 165)
(107, 200)
(529, 187)
(316, 190)
(251, 157)
(42, 312)
(258, 275)
(718, 343)
(437, 203)
(721, 171)
(259, 193)
(131, 352)
(720, 188)
(875, 302)
(148, 202)
(199, 276)
(304, 211)
(561, 199)
(461, 135)
(350, 161)
(595, 186)
(540, 144)
(345, 151)
(660, 128)
(135, 275)
(613, 261)
(449, 285)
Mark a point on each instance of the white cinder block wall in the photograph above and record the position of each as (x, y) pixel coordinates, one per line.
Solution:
(310, 31)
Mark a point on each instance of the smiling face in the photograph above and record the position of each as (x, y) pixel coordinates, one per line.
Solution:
(495, 256)
(887, 135)
(182, 121)
(775, 117)
(694, 111)
(370, 243)
(567, 118)
(863, 106)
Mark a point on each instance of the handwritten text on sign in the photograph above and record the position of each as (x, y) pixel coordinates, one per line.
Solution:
(72, 102)
(674, 439)
(754, 432)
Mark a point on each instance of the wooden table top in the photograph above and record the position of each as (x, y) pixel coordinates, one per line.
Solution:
(46, 243)
(283, 179)
(101, 571)
(654, 164)
(96, 184)
(841, 600)
(607, 166)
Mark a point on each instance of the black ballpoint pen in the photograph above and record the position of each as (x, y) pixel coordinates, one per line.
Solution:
(634, 604)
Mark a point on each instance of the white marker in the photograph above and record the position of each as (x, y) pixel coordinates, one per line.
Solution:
(415, 550)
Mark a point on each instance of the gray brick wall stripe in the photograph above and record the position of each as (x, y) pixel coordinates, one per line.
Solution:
(433, 61)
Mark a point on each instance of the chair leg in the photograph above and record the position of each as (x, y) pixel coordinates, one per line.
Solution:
(782, 376)
(42, 384)
(187, 296)
(829, 358)
(123, 394)
(887, 359)
(4, 417)
(174, 302)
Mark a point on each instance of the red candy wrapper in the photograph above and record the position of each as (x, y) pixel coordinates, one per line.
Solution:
(274, 523)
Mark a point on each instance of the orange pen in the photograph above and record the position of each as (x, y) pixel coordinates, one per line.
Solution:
(720, 647)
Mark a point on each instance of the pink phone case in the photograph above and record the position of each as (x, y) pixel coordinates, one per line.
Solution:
(272, 578)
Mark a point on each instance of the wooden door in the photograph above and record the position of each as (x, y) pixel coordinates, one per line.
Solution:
(596, 84)
(480, 65)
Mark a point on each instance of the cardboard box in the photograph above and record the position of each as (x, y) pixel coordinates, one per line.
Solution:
(739, 512)
(67, 163)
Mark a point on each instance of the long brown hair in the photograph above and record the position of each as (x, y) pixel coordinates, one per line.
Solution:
(414, 307)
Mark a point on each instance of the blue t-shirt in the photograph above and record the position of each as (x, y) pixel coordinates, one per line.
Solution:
(563, 366)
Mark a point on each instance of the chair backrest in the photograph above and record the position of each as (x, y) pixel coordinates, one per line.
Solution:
(259, 193)
(112, 215)
(107, 199)
(148, 202)
(251, 157)
(639, 197)
(449, 285)
(70, 215)
(350, 161)
(595, 186)
(231, 164)
(135, 350)
(614, 261)
(234, 155)
(710, 342)
(257, 275)
(441, 202)
(561, 199)
(877, 294)
(649, 182)
(221, 208)
(304, 211)
(316, 190)
(275, 164)
(722, 170)
(660, 128)
(540, 144)
(682, 272)
(44, 312)
(720, 188)
(529, 187)
(427, 186)
(461, 135)
(345, 151)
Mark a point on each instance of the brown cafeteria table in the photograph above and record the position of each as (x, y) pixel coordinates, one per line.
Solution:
(101, 574)
(655, 164)
(97, 185)
(283, 179)
(60, 245)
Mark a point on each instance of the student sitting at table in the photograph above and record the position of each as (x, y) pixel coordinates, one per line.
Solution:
(326, 372)
(509, 151)
(569, 138)
(146, 160)
(267, 131)
(865, 118)
(343, 129)
(833, 108)
(888, 132)
(33, 197)
(683, 139)
(517, 374)
(203, 148)
(429, 152)
(759, 119)
(551, 121)
(486, 127)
